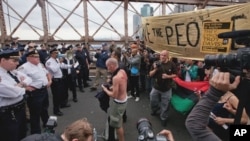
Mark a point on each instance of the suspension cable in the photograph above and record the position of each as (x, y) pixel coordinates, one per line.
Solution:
(48, 17)
(8, 11)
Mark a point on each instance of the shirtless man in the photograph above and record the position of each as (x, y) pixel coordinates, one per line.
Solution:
(118, 91)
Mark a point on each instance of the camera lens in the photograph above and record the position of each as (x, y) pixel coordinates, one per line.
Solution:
(221, 60)
(145, 129)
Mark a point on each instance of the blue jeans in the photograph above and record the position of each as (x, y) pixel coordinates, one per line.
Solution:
(160, 100)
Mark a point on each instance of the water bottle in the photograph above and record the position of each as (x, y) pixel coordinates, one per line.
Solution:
(95, 134)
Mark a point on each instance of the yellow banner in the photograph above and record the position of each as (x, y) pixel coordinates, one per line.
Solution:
(194, 34)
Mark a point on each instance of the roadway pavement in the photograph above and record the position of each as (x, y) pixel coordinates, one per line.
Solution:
(88, 106)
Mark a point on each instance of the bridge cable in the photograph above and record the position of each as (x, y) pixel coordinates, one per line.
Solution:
(8, 15)
(48, 18)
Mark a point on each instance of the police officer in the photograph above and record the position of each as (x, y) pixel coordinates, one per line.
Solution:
(87, 54)
(12, 103)
(54, 68)
(83, 62)
(38, 100)
(70, 75)
(43, 53)
(30, 46)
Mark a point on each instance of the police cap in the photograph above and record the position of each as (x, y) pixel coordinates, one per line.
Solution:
(9, 53)
(78, 45)
(69, 47)
(32, 53)
(53, 50)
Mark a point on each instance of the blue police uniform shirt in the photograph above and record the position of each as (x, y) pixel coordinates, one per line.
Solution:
(10, 92)
(37, 73)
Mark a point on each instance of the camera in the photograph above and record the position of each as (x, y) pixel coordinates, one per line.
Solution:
(51, 124)
(158, 64)
(232, 62)
(146, 133)
(241, 59)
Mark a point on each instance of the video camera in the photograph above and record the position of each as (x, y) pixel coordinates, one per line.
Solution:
(51, 124)
(233, 62)
(146, 133)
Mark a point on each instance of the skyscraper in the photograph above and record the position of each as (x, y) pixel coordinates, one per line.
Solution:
(136, 24)
(147, 10)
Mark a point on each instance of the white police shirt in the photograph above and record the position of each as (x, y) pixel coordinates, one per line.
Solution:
(10, 93)
(54, 67)
(37, 73)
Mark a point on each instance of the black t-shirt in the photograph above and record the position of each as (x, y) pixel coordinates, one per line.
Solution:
(164, 84)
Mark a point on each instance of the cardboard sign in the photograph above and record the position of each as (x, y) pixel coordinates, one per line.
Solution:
(194, 34)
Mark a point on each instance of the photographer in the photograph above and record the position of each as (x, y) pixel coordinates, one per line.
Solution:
(146, 132)
(168, 134)
(197, 120)
(162, 72)
(80, 130)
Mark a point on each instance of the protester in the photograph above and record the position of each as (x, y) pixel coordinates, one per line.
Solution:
(134, 62)
(197, 120)
(223, 114)
(101, 70)
(162, 72)
(117, 55)
(118, 91)
(189, 71)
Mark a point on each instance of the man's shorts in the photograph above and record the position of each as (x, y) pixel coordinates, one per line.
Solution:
(116, 112)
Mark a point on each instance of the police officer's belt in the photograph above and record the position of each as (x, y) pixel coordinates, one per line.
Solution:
(42, 88)
(14, 107)
(56, 79)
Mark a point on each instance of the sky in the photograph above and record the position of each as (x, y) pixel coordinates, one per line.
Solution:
(25, 32)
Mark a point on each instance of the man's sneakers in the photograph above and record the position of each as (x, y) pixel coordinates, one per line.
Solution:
(130, 96)
(137, 99)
